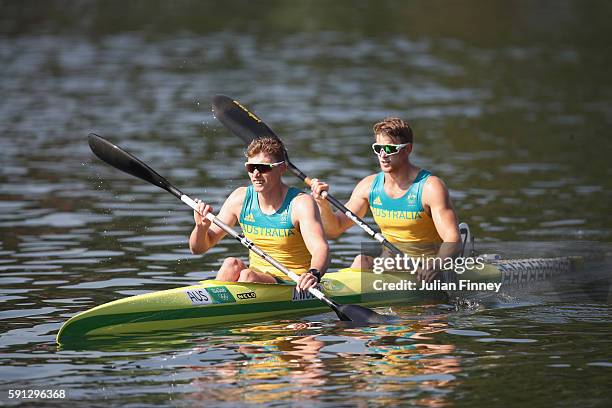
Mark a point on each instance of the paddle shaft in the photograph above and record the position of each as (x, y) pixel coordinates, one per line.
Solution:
(126, 162)
(249, 244)
(350, 215)
(248, 127)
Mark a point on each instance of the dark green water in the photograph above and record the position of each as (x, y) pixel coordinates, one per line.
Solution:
(511, 105)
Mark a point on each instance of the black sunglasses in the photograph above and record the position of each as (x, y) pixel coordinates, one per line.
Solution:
(261, 167)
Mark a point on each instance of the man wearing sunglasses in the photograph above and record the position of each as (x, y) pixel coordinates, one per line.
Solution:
(279, 219)
(409, 204)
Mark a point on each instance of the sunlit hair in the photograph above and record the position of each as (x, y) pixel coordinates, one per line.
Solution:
(395, 128)
(267, 145)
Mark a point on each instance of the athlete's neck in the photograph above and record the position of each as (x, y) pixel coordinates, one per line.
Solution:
(402, 177)
(271, 200)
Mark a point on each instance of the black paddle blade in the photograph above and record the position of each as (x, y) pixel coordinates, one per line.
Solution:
(361, 315)
(124, 161)
(239, 120)
(357, 314)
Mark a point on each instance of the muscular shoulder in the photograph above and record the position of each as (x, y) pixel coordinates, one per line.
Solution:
(236, 199)
(434, 190)
(363, 187)
(302, 202)
(238, 194)
(434, 183)
(303, 208)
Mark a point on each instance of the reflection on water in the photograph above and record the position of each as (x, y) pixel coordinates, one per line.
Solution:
(302, 362)
(510, 105)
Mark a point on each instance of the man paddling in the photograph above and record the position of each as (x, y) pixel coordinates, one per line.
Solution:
(409, 204)
(279, 219)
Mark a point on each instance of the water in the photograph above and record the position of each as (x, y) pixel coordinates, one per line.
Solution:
(510, 106)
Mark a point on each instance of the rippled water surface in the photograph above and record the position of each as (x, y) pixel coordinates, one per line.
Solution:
(511, 105)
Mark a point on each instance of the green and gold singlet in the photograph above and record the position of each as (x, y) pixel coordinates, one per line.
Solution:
(403, 219)
(274, 234)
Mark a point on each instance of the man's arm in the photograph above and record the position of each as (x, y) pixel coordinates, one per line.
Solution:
(336, 222)
(307, 218)
(437, 199)
(204, 235)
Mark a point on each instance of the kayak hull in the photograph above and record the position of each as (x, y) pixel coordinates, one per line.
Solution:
(213, 302)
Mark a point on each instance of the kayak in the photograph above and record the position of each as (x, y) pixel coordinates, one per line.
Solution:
(212, 302)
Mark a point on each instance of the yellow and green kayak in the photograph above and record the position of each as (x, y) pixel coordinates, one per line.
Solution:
(214, 302)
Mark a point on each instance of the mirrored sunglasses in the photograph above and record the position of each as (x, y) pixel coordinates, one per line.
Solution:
(389, 149)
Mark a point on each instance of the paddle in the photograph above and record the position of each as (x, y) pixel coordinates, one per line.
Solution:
(247, 126)
(124, 161)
